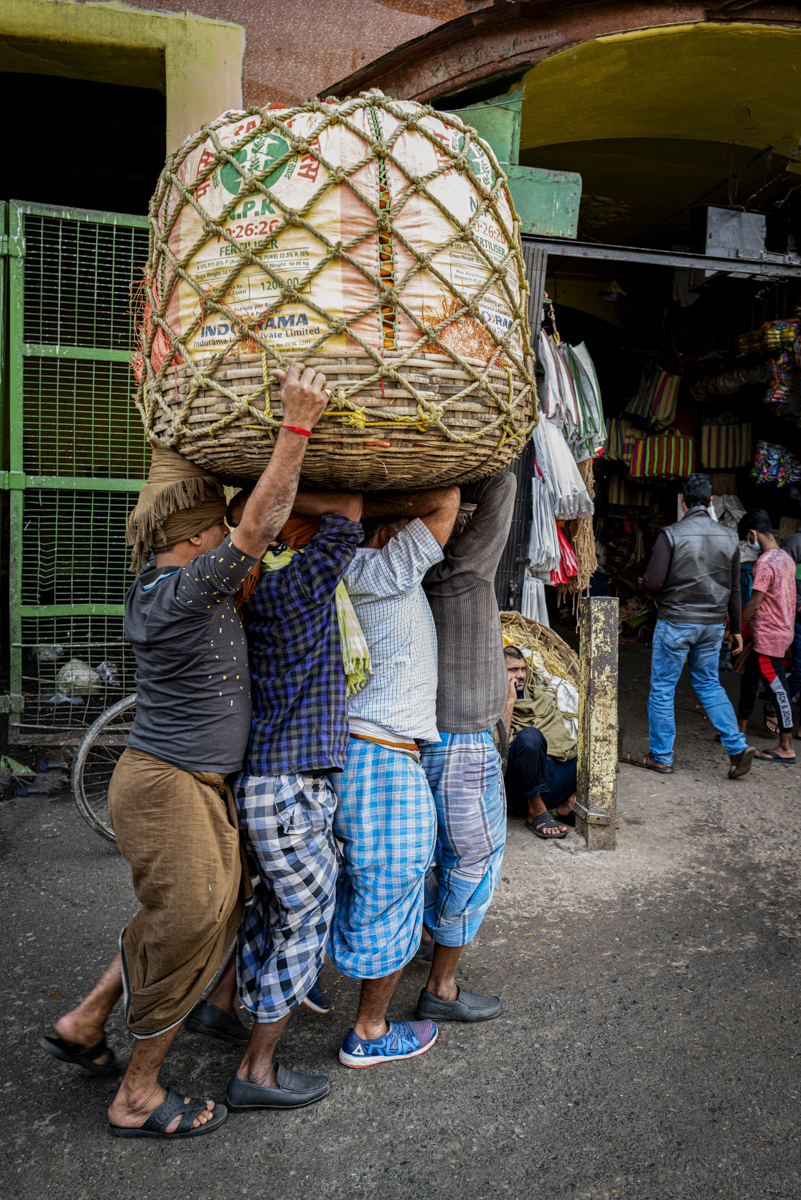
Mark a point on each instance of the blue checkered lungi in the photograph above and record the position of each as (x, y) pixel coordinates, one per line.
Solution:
(386, 822)
(464, 772)
(287, 821)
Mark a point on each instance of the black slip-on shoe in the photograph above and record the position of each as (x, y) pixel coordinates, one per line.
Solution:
(295, 1090)
(467, 1006)
(211, 1021)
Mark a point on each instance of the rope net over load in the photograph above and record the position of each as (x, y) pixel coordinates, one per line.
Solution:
(375, 239)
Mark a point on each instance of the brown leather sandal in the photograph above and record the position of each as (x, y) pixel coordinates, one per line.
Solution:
(649, 762)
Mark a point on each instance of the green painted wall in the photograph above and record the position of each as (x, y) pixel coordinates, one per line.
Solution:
(547, 202)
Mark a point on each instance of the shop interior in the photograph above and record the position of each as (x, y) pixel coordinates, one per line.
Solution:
(698, 370)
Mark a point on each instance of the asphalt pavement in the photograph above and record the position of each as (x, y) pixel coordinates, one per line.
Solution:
(648, 1045)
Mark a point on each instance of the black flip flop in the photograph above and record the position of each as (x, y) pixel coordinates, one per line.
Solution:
(770, 756)
(82, 1056)
(545, 821)
(156, 1124)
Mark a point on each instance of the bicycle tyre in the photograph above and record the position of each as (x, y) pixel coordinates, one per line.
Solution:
(95, 759)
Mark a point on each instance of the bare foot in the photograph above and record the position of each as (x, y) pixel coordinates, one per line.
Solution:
(78, 1031)
(566, 807)
(133, 1113)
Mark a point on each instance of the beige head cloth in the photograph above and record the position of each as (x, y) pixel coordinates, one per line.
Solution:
(178, 501)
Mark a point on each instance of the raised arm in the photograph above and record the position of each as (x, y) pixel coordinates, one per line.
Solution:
(317, 504)
(478, 549)
(303, 400)
(436, 508)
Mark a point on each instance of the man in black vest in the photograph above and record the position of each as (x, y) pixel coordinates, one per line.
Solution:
(695, 573)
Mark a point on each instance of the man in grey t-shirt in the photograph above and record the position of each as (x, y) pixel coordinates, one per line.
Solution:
(170, 805)
(464, 767)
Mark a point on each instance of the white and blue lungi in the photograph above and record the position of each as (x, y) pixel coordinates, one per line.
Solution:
(464, 773)
(386, 822)
(287, 820)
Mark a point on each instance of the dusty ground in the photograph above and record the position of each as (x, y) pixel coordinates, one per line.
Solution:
(648, 1046)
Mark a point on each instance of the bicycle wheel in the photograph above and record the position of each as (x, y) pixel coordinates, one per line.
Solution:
(95, 760)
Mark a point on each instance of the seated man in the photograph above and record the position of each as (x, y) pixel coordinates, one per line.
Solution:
(284, 799)
(387, 819)
(542, 754)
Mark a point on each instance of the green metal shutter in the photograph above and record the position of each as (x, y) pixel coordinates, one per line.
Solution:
(76, 456)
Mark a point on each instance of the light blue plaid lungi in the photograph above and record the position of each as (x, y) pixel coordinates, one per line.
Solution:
(287, 822)
(386, 822)
(464, 772)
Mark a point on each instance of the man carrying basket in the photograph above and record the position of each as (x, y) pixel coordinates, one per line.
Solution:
(170, 804)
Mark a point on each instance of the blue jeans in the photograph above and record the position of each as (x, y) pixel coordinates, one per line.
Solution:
(700, 646)
(794, 680)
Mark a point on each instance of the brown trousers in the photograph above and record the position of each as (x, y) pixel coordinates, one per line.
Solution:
(178, 831)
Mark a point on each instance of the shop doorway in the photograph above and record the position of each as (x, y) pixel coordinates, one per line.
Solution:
(84, 144)
(731, 347)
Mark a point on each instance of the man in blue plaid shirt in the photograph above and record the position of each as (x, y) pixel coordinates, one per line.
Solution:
(284, 799)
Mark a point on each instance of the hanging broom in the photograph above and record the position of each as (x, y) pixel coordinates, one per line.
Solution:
(581, 536)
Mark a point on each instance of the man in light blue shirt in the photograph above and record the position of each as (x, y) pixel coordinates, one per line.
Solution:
(386, 818)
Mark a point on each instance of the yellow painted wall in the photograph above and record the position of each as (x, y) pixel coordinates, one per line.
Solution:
(737, 84)
(196, 60)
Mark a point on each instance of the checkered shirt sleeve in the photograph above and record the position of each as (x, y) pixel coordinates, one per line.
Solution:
(299, 704)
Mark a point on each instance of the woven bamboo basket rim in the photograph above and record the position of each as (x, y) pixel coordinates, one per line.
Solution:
(530, 635)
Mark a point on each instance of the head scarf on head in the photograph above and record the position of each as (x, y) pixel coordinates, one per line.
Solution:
(179, 500)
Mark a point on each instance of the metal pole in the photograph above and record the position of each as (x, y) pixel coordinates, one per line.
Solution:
(596, 803)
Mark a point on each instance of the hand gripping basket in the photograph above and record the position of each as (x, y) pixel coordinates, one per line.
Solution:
(373, 239)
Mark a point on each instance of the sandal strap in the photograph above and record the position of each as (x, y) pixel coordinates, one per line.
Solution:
(161, 1117)
(191, 1110)
(544, 821)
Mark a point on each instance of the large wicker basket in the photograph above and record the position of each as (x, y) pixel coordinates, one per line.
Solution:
(423, 336)
(342, 454)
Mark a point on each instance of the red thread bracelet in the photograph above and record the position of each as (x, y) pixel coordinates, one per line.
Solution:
(297, 429)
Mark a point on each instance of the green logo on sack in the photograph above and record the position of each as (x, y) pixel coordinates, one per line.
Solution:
(256, 157)
(478, 162)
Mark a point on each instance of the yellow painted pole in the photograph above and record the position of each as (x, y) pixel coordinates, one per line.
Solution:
(596, 803)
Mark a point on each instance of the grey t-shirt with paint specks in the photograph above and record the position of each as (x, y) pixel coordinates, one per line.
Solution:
(192, 679)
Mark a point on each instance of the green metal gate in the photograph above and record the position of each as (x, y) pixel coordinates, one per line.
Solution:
(76, 458)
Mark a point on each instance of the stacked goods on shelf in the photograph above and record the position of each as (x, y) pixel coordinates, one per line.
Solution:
(376, 240)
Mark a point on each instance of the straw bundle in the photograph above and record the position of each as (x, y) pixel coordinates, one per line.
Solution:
(581, 536)
(558, 659)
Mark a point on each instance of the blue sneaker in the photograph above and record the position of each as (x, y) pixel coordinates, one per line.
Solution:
(403, 1039)
(317, 1000)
